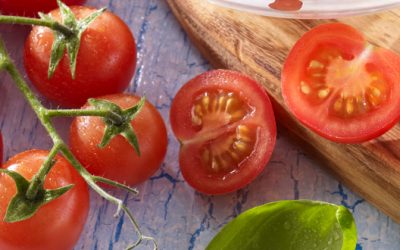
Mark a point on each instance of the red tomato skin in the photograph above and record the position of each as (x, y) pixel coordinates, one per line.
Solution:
(352, 41)
(58, 224)
(180, 116)
(105, 65)
(118, 161)
(32, 7)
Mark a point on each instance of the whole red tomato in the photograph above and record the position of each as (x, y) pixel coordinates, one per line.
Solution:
(340, 86)
(105, 65)
(32, 7)
(226, 126)
(56, 225)
(118, 161)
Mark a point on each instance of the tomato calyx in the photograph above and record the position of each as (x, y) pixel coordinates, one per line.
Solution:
(22, 207)
(118, 121)
(68, 42)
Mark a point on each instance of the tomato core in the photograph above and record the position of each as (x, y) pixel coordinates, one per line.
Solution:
(213, 109)
(347, 84)
(223, 149)
(225, 153)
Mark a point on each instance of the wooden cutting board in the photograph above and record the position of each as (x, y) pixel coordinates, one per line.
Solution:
(258, 46)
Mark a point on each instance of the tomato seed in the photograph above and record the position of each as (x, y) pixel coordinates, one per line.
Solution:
(323, 93)
(305, 88)
(349, 106)
(316, 64)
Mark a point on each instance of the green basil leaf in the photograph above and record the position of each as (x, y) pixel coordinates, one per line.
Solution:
(289, 225)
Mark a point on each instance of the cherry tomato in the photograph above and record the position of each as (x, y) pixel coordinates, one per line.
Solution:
(105, 65)
(118, 161)
(32, 7)
(226, 126)
(340, 86)
(56, 225)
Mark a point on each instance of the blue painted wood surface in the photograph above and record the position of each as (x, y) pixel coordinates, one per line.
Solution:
(167, 208)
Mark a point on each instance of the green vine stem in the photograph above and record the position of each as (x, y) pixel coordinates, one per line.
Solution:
(84, 112)
(44, 116)
(36, 21)
(38, 179)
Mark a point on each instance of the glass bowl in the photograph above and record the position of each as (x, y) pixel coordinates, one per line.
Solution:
(309, 9)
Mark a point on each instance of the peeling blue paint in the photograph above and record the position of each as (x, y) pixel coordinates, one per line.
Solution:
(344, 196)
(119, 228)
(203, 225)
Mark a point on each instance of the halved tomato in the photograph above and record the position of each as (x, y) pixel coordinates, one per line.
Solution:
(226, 126)
(340, 86)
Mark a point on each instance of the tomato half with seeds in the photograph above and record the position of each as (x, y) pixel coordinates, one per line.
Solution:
(226, 126)
(340, 86)
(56, 225)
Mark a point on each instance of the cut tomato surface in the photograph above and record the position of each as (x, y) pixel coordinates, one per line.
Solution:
(225, 123)
(340, 86)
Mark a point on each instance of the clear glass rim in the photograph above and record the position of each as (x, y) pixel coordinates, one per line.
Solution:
(306, 14)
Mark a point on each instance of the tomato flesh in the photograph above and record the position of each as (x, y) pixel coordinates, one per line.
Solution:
(348, 87)
(210, 112)
(56, 225)
(340, 86)
(225, 123)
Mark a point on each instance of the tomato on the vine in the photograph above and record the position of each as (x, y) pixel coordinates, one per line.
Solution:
(226, 126)
(340, 86)
(56, 225)
(118, 161)
(105, 64)
(32, 7)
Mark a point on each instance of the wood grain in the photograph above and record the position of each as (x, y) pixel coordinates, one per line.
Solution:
(258, 46)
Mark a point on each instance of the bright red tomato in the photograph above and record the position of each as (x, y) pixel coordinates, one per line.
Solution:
(58, 224)
(118, 161)
(226, 126)
(340, 86)
(105, 65)
(32, 7)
